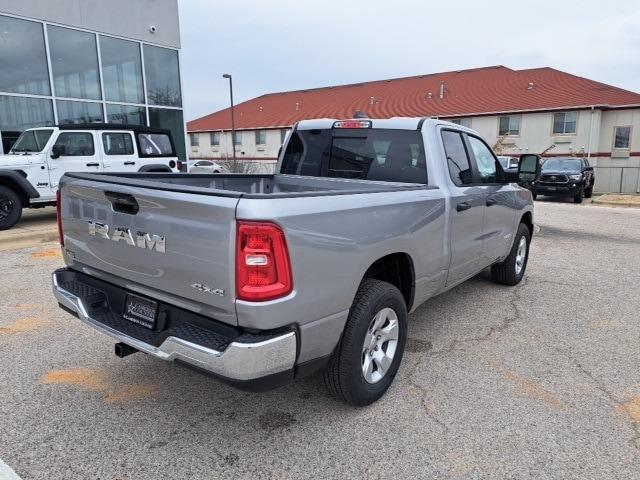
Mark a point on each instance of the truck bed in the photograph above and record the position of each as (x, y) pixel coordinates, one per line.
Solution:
(246, 186)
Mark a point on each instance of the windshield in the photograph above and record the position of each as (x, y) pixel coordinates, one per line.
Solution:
(562, 165)
(368, 154)
(31, 141)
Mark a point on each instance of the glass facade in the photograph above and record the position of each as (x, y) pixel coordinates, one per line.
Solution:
(52, 74)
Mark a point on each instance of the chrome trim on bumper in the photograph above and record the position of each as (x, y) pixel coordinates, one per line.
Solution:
(239, 361)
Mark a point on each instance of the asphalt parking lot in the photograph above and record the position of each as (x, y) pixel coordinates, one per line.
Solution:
(537, 381)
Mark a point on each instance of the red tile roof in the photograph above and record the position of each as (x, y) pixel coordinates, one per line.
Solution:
(467, 92)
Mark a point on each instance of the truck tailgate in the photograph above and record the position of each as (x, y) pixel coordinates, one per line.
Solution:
(104, 232)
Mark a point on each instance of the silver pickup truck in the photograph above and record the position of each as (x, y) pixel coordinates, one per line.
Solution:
(261, 279)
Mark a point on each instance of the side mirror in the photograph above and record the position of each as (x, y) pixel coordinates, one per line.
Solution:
(528, 169)
(57, 151)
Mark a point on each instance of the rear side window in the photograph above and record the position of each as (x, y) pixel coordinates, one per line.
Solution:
(155, 145)
(117, 143)
(457, 159)
(76, 144)
(367, 154)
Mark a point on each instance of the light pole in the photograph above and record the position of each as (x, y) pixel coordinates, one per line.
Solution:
(233, 120)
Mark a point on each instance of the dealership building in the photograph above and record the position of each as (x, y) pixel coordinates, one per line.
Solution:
(517, 111)
(85, 61)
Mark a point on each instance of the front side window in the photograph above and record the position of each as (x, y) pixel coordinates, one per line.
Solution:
(371, 154)
(622, 137)
(237, 138)
(24, 61)
(122, 70)
(564, 123)
(32, 141)
(203, 164)
(214, 138)
(74, 63)
(117, 143)
(509, 125)
(76, 144)
(162, 75)
(261, 137)
(194, 139)
(457, 159)
(485, 160)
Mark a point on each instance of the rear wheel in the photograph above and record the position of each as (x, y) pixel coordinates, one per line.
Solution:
(580, 195)
(370, 350)
(10, 208)
(511, 270)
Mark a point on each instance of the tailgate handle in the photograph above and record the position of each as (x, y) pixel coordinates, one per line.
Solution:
(123, 202)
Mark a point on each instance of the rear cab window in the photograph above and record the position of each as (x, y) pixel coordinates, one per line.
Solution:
(377, 154)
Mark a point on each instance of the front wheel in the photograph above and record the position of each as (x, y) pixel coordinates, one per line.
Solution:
(10, 208)
(511, 270)
(588, 193)
(370, 350)
(579, 196)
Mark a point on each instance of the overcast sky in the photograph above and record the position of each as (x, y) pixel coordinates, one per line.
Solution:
(279, 45)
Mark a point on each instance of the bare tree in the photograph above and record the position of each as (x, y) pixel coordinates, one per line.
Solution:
(238, 165)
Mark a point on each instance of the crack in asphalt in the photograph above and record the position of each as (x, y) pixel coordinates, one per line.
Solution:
(508, 321)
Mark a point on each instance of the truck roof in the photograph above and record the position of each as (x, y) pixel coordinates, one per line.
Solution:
(399, 123)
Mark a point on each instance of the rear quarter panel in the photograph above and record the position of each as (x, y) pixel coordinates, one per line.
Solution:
(332, 241)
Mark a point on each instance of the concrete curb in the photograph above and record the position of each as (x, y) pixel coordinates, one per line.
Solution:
(617, 202)
(28, 239)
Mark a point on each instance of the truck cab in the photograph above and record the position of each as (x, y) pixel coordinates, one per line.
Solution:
(31, 171)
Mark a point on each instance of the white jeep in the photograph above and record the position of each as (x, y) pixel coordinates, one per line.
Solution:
(30, 172)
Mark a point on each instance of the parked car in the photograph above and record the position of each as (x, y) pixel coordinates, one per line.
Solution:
(565, 177)
(206, 166)
(509, 164)
(31, 171)
(260, 279)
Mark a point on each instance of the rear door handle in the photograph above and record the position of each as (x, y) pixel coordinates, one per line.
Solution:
(93, 164)
(463, 206)
(491, 201)
(129, 163)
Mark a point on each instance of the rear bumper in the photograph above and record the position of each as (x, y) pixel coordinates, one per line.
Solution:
(242, 359)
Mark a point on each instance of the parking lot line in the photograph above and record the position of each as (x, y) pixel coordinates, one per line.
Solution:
(7, 473)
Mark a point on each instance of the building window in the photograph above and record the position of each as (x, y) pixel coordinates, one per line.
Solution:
(214, 139)
(74, 61)
(261, 137)
(24, 61)
(194, 138)
(79, 112)
(622, 138)
(171, 120)
(126, 114)
(163, 76)
(509, 125)
(564, 123)
(464, 122)
(283, 136)
(237, 140)
(121, 70)
(19, 113)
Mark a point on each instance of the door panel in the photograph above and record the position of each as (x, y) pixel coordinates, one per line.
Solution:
(79, 154)
(118, 152)
(499, 220)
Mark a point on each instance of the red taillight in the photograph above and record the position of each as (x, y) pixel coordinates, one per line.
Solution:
(263, 270)
(59, 216)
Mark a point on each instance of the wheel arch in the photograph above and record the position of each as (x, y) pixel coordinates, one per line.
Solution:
(527, 219)
(397, 269)
(16, 181)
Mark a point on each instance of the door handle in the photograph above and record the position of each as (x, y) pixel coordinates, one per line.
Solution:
(463, 206)
(93, 164)
(129, 163)
(491, 201)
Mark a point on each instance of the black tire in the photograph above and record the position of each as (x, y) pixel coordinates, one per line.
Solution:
(344, 375)
(534, 195)
(578, 198)
(505, 272)
(588, 193)
(10, 208)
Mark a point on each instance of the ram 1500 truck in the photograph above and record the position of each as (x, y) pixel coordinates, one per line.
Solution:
(31, 171)
(260, 279)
